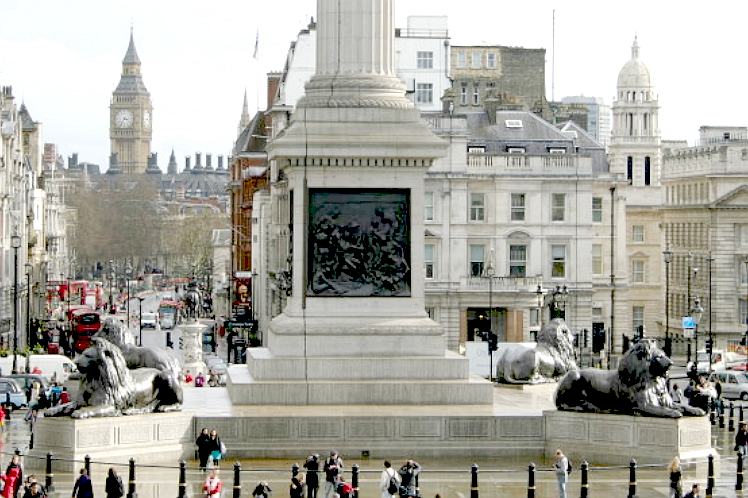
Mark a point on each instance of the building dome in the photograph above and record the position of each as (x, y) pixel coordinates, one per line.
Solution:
(634, 73)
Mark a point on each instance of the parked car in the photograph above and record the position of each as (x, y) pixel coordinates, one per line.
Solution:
(11, 391)
(734, 384)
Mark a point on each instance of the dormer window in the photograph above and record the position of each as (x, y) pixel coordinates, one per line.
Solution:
(515, 150)
(513, 123)
(556, 150)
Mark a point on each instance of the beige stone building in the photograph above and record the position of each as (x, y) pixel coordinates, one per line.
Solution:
(130, 118)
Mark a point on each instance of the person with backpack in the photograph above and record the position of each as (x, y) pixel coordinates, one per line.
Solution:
(408, 479)
(312, 475)
(114, 487)
(389, 483)
(561, 467)
(333, 470)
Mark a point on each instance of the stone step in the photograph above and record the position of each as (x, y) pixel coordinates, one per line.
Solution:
(244, 390)
(264, 366)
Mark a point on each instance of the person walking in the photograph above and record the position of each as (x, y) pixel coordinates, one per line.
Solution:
(561, 467)
(114, 487)
(389, 482)
(408, 479)
(741, 439)
(83, 487)
(217, 448)
(212, 485)
(676, 487)
(333, 470)
(312, 475)
(14, 475)
(694, 493)
(203, 448)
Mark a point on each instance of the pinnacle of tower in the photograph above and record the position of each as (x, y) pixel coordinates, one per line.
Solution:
(131, 57)
(635, 48)
(245, 120)
(171, 169)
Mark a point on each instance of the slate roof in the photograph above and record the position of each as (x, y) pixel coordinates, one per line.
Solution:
(586, 145)
(131, 83)
(27, 124)
(535, 134)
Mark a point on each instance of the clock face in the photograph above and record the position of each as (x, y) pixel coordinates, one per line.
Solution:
(123, 119)
(147, 119)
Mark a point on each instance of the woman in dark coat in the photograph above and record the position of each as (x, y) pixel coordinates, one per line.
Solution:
(215, 447)
(203, 448)
(114, 487)
(312, 475)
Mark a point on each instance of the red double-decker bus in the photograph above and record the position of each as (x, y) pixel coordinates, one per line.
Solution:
(85, 322)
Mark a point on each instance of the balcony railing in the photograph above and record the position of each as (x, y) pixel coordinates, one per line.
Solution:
(528, 284)
(549, 164)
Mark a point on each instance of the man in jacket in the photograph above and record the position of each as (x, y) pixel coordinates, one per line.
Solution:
(333, 469)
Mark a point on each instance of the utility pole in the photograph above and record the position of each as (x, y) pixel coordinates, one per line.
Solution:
(612, 271)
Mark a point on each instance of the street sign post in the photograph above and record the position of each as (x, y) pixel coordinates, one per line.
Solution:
(689, 327)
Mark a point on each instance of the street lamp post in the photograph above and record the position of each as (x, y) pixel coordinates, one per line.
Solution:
(710, 260)
(539, 293)
(29, 269)
(490, 273)
(696, 313)
(746, 312)
(140, 319)
(668, 256)
(15, 242)
(128, 273)
(111, 278)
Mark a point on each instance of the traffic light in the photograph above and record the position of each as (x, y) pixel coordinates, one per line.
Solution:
(493, 341)
(708, 346)
(585, 335)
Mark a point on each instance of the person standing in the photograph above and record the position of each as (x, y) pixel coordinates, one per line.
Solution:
(262, 490)
(296, 489)
(312, 475)
(408, 478)
(741, 439)
(203, 448)
(333, 469)
(114, 487)
(14, 475)
(83, 487)
(217, 449)
(389, 482)
(676, 487)
(212, 485)
(561, 467)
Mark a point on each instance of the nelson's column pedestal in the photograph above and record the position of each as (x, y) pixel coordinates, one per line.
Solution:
(355, 330)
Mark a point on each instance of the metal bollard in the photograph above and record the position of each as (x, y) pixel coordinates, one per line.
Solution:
(237, 480)
(132, 491)
(739, 473)
(584, 489)
(740, 413)
(632, 479)
(49, 476)
(474, 481)
(354, 479)
(731, 418)
(87, 464)
(712, 415)
(710, 476)
(531, 481)
(294, 470)
(721, 410)
(182, 479)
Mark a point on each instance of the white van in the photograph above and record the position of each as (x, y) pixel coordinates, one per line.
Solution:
(49, 364)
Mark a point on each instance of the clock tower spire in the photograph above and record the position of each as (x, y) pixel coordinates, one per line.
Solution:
(130, 116)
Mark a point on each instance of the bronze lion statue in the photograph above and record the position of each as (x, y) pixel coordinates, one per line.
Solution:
(108, 388)
(547, 362)
(637, 387)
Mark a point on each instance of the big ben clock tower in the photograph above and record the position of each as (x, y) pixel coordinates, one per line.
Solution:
(130, 117)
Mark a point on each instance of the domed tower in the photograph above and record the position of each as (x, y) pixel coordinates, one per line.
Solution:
(635, 139)
(130, 116)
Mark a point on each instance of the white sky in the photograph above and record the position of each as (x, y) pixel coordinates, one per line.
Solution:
(63, 58)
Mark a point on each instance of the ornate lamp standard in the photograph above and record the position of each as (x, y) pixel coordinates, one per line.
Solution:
(29, 269)
(15, 243)
(539, 293)
(128, 274)
(111, 279)
(668, 256)
(490, 273)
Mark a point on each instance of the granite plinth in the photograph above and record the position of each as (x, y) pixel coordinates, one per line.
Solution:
(149, 439)
(616, 439)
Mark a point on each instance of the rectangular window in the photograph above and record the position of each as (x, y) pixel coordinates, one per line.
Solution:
(515, 150)
(476, 94)
(558, 207)
(597, 259)
(461, 59)
(742, 270)
(630, 169)
(491, 60)
(534, 314)
(518, 261)
(518, 207)
(428, 260)
(424, 93)
(477, 207)
(637, 233)
(743, 312)
(741, 233)
(647, 178)
(475, 60)
(637, 317)
(477, 254)
(428, 206)
(638, 271)
(558, 255)
(464, 94)
(597, 209)
(425, 60)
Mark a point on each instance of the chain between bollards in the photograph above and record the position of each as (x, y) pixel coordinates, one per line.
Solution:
(531, 481)
(49, 475)
(132, 491)
(182, 479)
(739, 472)
(237, 480)
(474, 481)
(710, 476)
(632, 479)
(584, 487)
(354, 479)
